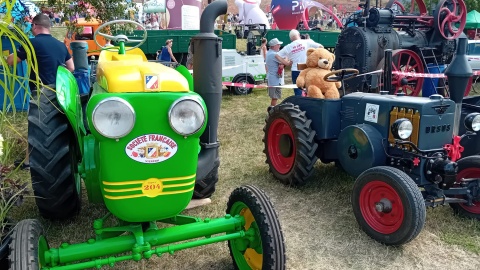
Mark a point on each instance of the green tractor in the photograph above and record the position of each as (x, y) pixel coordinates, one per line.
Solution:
(149, 146)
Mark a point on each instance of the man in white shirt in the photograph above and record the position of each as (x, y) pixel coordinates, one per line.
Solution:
(296, 52)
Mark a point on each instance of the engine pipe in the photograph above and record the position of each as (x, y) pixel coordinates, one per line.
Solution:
(458, 74)
(207, 52)
(387, 72)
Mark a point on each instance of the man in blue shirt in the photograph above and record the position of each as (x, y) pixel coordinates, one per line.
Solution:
(50, 54)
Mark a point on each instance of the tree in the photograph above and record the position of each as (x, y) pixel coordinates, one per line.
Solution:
(472, 5)
(103, 10)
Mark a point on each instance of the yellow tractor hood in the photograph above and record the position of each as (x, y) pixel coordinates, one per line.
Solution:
(132, 72)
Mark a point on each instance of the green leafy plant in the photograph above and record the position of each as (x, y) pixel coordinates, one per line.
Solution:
(12, 36)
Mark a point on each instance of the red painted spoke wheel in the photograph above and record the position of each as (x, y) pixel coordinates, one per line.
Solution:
(407, 61)
(290, 145)
(388, 205)
(447, 14)
(281, 148)
(468, 167)
(381, 206)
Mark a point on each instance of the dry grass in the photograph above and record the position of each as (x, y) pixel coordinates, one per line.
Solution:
(319, 227)
(318, 223)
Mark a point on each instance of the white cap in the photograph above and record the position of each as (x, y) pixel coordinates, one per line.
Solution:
(274, 42)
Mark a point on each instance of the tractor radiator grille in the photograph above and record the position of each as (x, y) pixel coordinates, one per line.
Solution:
(349, 113)
(412, 115)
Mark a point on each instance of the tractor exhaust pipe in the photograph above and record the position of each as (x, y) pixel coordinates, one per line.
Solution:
(207, 77)
(458, 73)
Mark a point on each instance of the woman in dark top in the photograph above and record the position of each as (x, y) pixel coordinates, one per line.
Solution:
(166, 54)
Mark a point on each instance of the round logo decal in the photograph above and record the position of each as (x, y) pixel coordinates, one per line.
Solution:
(171, 4)
(151, 148)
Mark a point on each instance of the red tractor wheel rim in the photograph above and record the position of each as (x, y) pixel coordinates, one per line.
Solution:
(381, 207)
(470, 173)
(407, 61)
(280, 134)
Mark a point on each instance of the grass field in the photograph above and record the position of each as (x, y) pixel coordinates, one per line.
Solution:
(317, 219)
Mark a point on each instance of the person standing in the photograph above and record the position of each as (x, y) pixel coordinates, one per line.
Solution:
(263, 49)
(167, 55)
(190, 55)
(155, 25)
(275, 71)
(50, 54)
(296, 52)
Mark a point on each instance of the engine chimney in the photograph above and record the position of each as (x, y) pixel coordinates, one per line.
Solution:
(458, 73)
(207, 77)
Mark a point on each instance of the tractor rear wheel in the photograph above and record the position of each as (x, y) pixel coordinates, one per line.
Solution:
(265, 249)
(468, 167)
(28, 245)
(388, 205)
(289, 144)
(53, 158)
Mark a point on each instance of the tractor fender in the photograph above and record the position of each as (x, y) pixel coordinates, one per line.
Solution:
(360, 148)
(69, 99)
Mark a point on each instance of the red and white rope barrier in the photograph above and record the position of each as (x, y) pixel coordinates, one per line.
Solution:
(427, 75)
(244, 85)
(407, 74)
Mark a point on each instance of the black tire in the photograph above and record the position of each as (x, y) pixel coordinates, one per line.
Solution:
(237, 90)
(53, 158)
(267, 228)
(385, 187)
(205, 187)
(468, 167)
(27, 239)
(291, 155)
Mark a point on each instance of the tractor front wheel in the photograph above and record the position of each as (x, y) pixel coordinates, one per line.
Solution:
(53, 160)
(264, 245)
(388, 205)
(468, 167)
(289, 144)
(28, 245)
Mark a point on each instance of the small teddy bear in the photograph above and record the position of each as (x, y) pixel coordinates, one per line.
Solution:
(319, 63)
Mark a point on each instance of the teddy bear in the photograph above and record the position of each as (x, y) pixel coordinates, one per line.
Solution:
(319, 62)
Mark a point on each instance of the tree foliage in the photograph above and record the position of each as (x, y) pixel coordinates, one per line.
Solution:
(101, 10)
(472, 5)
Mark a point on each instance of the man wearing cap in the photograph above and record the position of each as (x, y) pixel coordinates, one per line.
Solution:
(296, 51)
(50, 54)
(274, 71)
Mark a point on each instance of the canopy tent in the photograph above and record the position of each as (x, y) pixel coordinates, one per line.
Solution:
(473, 20)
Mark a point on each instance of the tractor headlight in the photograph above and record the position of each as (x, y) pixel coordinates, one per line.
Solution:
(186, 116)
(113, 117)
(472, 122)
(402, 128)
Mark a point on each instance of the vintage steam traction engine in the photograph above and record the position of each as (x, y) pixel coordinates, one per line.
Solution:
(418, 40)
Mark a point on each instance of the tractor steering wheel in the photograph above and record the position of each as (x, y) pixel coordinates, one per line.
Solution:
(120, 38)
(345, 74)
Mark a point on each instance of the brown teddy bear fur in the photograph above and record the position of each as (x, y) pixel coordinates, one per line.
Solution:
(319, 63)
